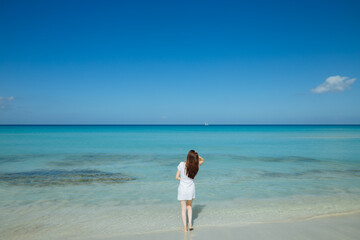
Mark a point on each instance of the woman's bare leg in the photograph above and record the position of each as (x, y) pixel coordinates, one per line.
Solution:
(189, 210)
(183, 213)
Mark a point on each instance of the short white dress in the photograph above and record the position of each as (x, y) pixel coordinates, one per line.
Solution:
(186, 189)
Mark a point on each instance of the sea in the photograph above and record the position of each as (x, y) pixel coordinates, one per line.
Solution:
(97, 181)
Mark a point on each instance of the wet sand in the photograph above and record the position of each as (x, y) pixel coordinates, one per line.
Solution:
(328, 228)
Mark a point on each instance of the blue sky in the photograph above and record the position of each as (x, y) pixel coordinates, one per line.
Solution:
(179, 62)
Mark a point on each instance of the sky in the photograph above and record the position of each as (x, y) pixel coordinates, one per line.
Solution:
(179, 62)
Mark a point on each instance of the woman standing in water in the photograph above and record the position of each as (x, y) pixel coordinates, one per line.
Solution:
(186, 191)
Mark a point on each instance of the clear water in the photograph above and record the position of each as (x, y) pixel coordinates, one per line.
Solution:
(71, 181)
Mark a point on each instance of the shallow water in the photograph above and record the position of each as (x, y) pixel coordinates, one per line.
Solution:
(69, 181)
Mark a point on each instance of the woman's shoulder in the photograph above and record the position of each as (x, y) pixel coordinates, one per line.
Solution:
(181, 164)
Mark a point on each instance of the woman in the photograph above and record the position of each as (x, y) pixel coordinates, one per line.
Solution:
(186, 191)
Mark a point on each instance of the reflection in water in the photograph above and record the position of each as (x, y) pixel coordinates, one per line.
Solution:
(196, 211)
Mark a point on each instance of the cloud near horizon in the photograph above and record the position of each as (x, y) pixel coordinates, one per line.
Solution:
(334, 84)
(4, 102)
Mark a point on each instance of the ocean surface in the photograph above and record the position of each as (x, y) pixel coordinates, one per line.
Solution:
(60, 182)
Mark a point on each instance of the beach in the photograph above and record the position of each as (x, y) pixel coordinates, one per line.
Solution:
(328, 227)
(118, 182)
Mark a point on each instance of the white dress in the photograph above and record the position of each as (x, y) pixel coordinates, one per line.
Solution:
(186, 189)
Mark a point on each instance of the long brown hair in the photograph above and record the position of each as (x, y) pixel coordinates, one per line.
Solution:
(192, 164)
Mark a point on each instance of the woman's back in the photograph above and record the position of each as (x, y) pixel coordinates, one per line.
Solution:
(184, 179)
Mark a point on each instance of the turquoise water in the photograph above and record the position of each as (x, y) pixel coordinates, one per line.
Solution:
(69, 181)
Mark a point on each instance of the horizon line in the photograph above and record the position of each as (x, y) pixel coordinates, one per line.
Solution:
(203, 124)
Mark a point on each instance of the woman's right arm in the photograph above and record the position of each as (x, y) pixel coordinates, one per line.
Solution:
(177, 175)
(201, 160)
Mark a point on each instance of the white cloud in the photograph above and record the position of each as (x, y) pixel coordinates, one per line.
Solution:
(334, 84)
(5, 102)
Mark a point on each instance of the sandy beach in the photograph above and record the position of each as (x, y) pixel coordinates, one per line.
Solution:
(346, 226)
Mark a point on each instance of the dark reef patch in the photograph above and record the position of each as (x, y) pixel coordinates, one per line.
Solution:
(275, 159)
(288, 159)
(10, 158)
(313, 173)
(94, 159)
(19, 158)
(43, 178)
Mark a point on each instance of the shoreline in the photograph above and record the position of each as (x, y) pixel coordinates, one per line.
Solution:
(329, 226)
(341, 225)
(136, 222)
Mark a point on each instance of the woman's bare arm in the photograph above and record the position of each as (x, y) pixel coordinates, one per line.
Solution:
(201, 160)
(177, 175)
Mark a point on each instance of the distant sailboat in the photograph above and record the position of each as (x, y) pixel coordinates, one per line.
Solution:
(206, 124)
